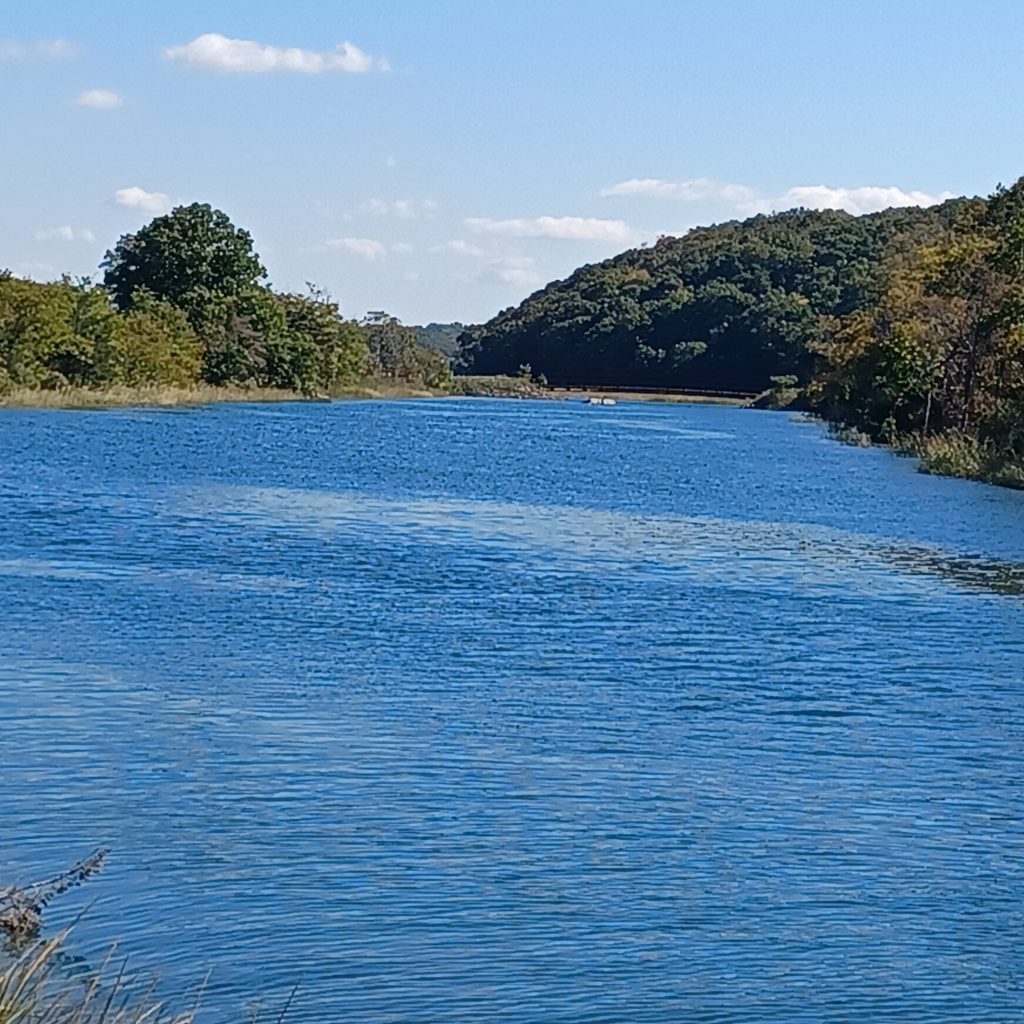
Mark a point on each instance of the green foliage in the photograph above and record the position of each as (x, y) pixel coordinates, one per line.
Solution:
(901, 323)
(239, 334)
(49, 332)
(191, 257)
(183, 304)
(153, 344)
(394, 353)
(938, 354)
(721, 308)
(321, 350)
(443, 338)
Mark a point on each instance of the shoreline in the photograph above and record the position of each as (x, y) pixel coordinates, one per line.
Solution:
(625, 395)
(163, 396)
(160, 396)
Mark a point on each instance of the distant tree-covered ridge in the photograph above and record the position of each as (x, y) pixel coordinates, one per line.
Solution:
(724, 307)
(444, 338)
(907, 325)
(184, 302)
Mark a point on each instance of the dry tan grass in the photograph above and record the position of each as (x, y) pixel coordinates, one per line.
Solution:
(33, 990)
(121, 397)
(163, 396)
(647, 396)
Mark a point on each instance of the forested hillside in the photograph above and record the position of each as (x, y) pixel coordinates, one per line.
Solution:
(724, 307)
(443, 338)
(907, 325)
(184, 301)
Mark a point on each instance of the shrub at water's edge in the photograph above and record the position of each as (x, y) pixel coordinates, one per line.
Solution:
(963, 455)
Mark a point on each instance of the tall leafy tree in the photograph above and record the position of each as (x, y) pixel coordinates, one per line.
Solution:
(191, 257)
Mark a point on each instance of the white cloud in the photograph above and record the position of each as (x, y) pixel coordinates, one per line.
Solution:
(368, 248)
(582, 229)
(692, 190)
(747, 201)
(404, 209)
(99, 99)
(65, 233)
(520, 271)
(390, 161)
(215, 52)
(151, 202)
(491, 268)
(403, 248)
(868, 199)
(459, 246)
(517, 270)
(43, 49)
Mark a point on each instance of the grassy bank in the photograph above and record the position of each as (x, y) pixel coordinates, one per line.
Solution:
(625, 395)
(964, 456)
(950, 454)
(523, 387)
(497, 387)
(122, 396)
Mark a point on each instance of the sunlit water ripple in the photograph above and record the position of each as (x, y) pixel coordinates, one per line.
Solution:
(493, 711)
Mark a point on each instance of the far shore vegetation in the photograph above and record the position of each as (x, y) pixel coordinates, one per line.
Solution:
(904, 328)
(184, 313)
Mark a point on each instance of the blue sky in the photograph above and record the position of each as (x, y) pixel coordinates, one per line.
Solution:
(455, 156)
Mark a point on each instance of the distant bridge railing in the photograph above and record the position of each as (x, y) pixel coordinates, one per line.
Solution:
(626, 388)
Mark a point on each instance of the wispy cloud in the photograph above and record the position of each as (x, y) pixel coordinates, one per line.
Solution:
(42, 49)
(99, 99)
(693, 190)
(215, 52)
(404, 209)
(867, 199)
(520, 271)
(460, 247)
(139, 198)
(748, 201)
(490, 267)
(65, 233)
(368, 249)
(580, 229)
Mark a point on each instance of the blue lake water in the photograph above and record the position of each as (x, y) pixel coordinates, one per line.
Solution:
(465, 711)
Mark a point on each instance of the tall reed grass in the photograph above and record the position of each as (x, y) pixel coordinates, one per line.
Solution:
(961, 455)
(35, 989)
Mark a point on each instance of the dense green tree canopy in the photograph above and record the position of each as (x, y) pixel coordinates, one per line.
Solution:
(184, 301)
(724, 307)
(191, 257)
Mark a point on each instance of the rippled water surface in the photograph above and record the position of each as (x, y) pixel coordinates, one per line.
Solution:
(517, 712)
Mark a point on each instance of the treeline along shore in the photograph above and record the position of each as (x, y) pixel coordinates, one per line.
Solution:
(184, 311)
(904, 327)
